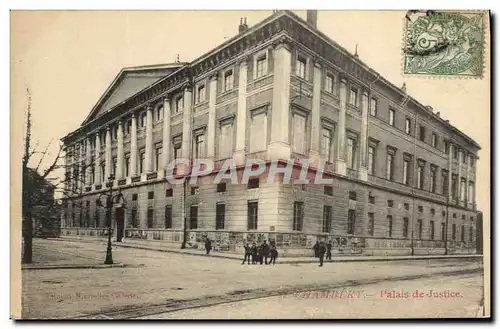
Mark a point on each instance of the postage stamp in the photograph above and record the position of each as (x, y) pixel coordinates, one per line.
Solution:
(443, 43)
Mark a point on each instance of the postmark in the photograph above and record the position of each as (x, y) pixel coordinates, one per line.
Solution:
(444, 43)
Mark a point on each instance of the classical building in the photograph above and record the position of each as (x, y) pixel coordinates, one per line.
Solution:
(403, 177)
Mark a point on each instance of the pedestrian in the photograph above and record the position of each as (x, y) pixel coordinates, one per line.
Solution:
(321, 252)
(264, 252)
(274, 254)
(248, 254)
(254, 252)
(316, 249)
(329, 250)
(208, 245)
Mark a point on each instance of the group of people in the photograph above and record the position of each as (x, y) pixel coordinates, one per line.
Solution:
(322, 248)
(260, 254)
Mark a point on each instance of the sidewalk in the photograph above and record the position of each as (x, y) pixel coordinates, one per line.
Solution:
(150, 245)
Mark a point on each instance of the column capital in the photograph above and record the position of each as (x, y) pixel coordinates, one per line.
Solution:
(243, 61)
(120, 122)
(283, 41)
(108, 127)
(212, 77)
(188, 88)
(166, 98)
(317, 62)
(343, 77)
(148, 107)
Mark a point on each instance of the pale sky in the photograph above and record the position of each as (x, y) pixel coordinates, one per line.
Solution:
(69, 58)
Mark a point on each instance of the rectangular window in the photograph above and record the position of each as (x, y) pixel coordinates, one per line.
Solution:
(420, 177)
(392, 115)
(432, 186)
(193, 217)
(258, 132)
(133, 218)
(407, 206)
(261, 66)
(143, 119)
(221, 187)
(226, 141)
(177, 151)
(454, 232)
(150, 217)
(419, 229)
(329, 83)
(462, 233)
(351, 221)
(455, 152)
(471, 234)
(195, 190)
(134, 197)
(462, 189)
(179, 104)
(390, 203)
(408, 126)
(113, 166)
(454, 187)
(445, 182)
(371, 223)
(127, 165)
(353, 97)
(442, 231)
(327, 219)
(151, 195)
(228, 80)
(390, 166)
(220, 216)
(299, 133)
(373, 107)
(300, 69)
(253, 183)
(199, 147)
(169, 192)
(298, 215)
(434, 140)
(406, 172)
(371, 199)
(470, 192)
(431, 230)
(371, 160)
(422, 133)
(351, 153)
(158, 163)
(352, 195)
(252, 213)
(389, 226)
(326, 144)
(405, 227)
(168, 217)
(200, 94)
(142, 162)
(328, 190)
(159, 113)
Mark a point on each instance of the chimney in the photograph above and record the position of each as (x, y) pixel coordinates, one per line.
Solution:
(312, 18)
(243, 25)
(438, 114)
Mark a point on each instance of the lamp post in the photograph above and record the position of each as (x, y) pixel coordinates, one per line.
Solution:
(110, 200)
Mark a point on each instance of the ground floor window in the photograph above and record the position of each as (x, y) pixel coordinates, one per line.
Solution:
(351, 221)
(327, 219)
(168, 217)
(220, 216)
(252, 213)
(298, 215)
(150, 217)
(193, 218)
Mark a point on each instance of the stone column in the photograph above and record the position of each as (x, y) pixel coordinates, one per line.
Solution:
(149, 139)
(459, 176)
(340, 163)
(119, 151)
(133, 146)
(186, 124)
(241, 114)
(97, 155)
(316, 114)
(279, 146)
(212, 117)
(166, 132)
(363, 149)
(107, 155)
(450, 169)
(88, 161)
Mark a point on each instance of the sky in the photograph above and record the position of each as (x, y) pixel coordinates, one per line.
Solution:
(69, 58)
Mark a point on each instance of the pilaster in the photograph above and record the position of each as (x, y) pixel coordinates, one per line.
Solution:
(107, 155)
(363, 168)
(119, 151)
(241, 114)
(133, 146)
(149, 139)
(166, 142)
(340, 163)
(316, 113)
(97, 155)
(211, 126)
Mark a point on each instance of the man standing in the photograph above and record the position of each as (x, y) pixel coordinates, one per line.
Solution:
(264, 252)
(273, 253)
(316, 249)
(329, 250)
(254, 253)
(321, 252)
(248, 254)
(208, 245)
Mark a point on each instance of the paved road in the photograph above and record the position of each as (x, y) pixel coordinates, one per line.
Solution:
(155, 282)
(366, 301)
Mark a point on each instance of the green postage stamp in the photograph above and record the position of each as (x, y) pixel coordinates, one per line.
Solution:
(444, 43)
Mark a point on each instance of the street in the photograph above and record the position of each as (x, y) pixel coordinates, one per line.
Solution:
(156, 284)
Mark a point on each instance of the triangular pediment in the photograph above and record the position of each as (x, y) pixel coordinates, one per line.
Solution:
(127, 83)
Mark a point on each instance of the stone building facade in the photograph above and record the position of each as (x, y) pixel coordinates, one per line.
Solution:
(403, 177)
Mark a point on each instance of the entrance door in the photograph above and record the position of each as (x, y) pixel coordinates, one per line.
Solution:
(120, 223)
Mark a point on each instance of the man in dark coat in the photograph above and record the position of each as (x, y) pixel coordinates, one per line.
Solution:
(273, 253)
(329, 250)
(264, 252)
(321, 252)
(208, 245)
(248, 254)
(254, 253)
(316, 249)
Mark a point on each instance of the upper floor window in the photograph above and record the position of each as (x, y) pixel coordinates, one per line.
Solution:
(353, 97)
(159, 113)
(351, 153)
(228, 80)
(258, 130)
(434, 140)
(373, 107)
(422, 133)
(371, 160)
(408, 126)
(143, 119)
(261, 65)
(300, 65)
(327, 143)
(179, 104)
(200, 93)
(299, 133)
(391, 153)
(392, 115)
(329, 83)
